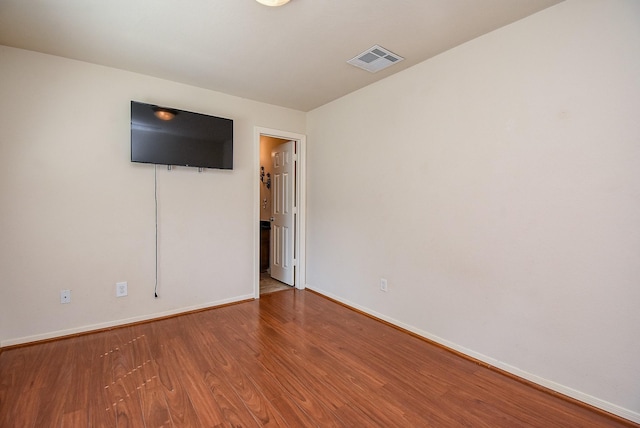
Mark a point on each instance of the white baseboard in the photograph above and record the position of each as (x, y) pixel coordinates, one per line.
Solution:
(120, 322)
(562, 389)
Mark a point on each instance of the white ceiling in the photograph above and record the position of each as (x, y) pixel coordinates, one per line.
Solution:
(292, 56)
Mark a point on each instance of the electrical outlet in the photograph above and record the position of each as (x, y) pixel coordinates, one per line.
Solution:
(65, 296)
(383, 285)
(121, 289)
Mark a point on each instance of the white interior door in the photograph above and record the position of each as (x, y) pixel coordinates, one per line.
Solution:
(283, 208)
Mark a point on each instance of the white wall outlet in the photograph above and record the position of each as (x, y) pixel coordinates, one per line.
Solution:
(383, 285)
(65, 296)
(121, 289)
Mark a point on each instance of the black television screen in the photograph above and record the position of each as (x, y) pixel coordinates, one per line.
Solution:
(167, 136)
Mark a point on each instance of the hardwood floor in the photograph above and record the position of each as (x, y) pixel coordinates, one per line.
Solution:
(291, 358)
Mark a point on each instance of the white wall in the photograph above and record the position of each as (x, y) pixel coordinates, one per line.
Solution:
(497, 188)
(76, 214)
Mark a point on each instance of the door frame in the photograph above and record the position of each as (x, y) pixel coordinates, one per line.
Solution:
(301, 197)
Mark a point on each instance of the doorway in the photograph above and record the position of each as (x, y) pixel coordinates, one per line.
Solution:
(280, 233)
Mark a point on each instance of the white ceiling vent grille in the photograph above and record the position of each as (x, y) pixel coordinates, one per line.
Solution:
(375, 59)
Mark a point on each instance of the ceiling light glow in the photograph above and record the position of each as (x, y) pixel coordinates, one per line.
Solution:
(164, 113)
(273, 2)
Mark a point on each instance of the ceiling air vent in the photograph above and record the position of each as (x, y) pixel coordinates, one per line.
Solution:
(375, 59)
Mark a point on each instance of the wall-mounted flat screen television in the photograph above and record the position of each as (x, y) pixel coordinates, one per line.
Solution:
(167, 136)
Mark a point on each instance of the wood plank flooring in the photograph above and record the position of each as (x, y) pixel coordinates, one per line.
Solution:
(289, 359)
